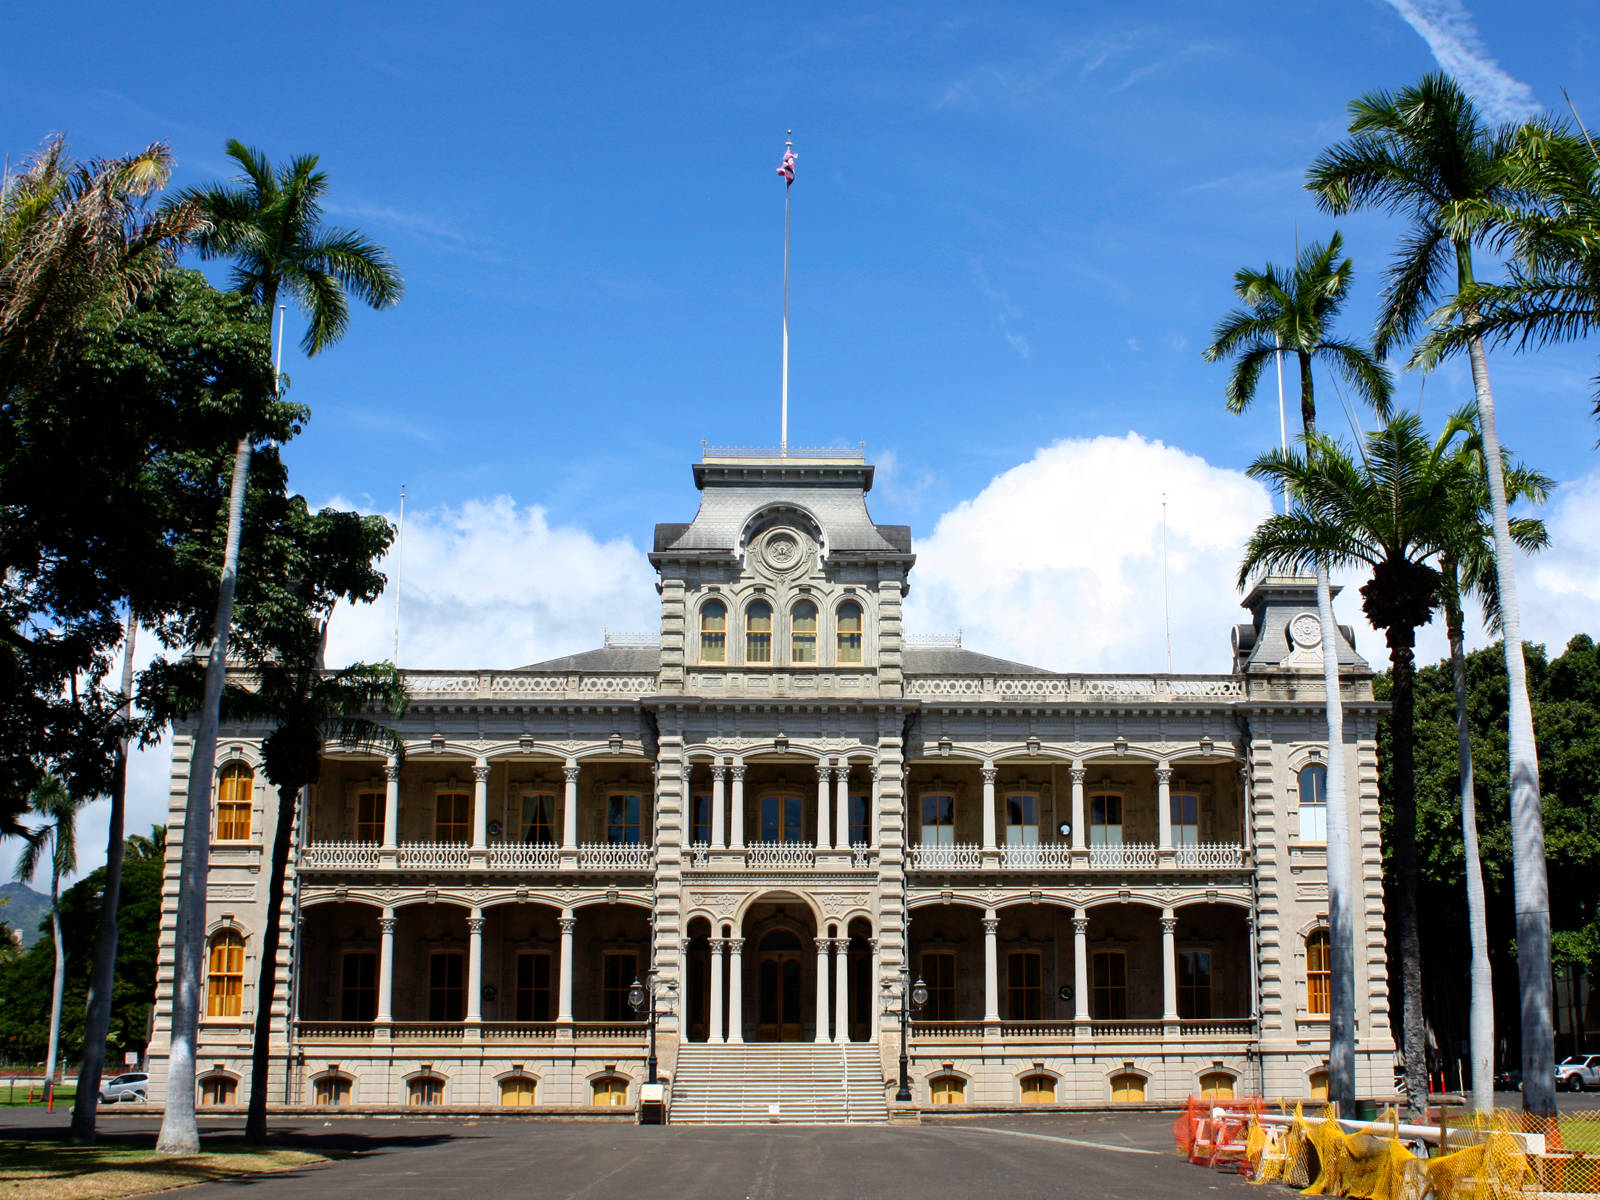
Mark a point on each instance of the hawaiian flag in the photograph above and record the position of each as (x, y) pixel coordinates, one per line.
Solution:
(786, 168)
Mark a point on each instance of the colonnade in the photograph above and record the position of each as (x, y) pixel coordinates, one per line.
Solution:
(480, 806)
(833, 806)
(832, 995)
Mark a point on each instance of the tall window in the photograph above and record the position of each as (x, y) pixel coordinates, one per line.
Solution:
(1185, 811)
(1314, 803)
(849, 634)
(938, 819)
(1023, 988)
(860, 820)
(451, 816)
(234, 796)
(539, 818)
(1105, 819)
(533, 986)
(623, 816)
(700, 819)
(939, 973)
(446, 988)
(426, 1091)
(1318, 1085)
(358, 986)
(758, 633)
(369, 816)
(1109, 985)
(621, 968)
(225, 975)
(1022, 820)
(782, 819)
(1194, 985)
(1318, 972)
(714, 632)
(803, 633)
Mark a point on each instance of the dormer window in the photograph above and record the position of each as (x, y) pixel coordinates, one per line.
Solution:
(758, 633)
(803, 633)
(714, 632)
(849, 632)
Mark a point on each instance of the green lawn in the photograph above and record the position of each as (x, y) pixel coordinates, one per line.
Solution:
(106, 1170)
(1581, 1131)
(17, 1097)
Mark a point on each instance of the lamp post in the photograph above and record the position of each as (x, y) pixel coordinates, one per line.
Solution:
(912, 998)
(639, 997)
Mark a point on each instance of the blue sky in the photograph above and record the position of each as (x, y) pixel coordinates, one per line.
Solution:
(1014, 228)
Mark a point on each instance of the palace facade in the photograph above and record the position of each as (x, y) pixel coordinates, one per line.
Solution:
(779, 815)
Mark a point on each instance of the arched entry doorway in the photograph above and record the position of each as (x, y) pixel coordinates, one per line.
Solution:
(780, 963)
(779, 986)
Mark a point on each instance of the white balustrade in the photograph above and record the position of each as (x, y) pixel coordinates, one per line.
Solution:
(863, 856)
(518, 1031)
(962, 856)
(1210, 855)
(620, 856)
(1129, 855)
(1077, 688)
(524, 856)
(332, 1031)
(488, 685)
(1221, 1027)
(340, 856)
(426, 1033)
(699, 855)
(780, 854)
(1127, 1029)
(592, 1031)
(1042, 854)
(433, 856)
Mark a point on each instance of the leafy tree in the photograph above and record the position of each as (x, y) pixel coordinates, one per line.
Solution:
(1293, 312)
(54, 842)
(1426, 153)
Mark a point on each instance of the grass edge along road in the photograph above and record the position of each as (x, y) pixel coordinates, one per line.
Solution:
(50, 1170)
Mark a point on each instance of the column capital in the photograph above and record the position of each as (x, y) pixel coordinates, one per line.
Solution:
(991, 925)
(685, 944)
(717, 944)
(391, 771)
(990, 773)
(385, 924)
(568, 924)
(719, 772)
(1169, 925)
(873, 943)
(1078, 773)
(735, 945)
(841, 772)
(840, 944)
(571, 772)
(1163, 774)
(822, 945)
(480, 773)
(475, 925)
(737, 771)
(876, 772)
(1080, 926)
(824, 771)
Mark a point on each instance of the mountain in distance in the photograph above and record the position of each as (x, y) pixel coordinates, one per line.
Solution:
(23, 909)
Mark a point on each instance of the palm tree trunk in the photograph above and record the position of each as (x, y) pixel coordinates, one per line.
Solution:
(1531, 886)
(102, 975)
(1403, 809)
(1480, 1011)
(179, 1133)
(255, 1126)
(58, 988)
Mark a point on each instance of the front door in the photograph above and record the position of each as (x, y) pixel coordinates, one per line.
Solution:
(779, 980)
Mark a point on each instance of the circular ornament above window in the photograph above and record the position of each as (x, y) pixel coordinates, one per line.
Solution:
(784, 550)
(1305, 631)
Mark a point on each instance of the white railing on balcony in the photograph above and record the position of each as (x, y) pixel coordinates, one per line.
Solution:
(1218, 1027)
(1129, 855)
(945, 1031)
(518, 1031)
(780, 855)
(1044, 854)
(863, 856)
(1076, 688)
(698, 855)
(433, 856)
(962, 856)
(1128, 1029)
(608, 1031)
(524, 856)
(340, 856)
(1215, 855)
(427, 1033)
(332, 1031)
(608, 856)
(557, 685)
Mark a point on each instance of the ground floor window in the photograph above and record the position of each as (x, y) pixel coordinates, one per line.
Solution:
(1127, 1088)
(218, 1090)
(620, 970)
(1194, 985)
(425, 1091)
(333, 1091)
(1319, 973)
(939, 973)
(1023, 989)
(358, 986)
(533, 986)
(1216, 1085)
(517, 1092)
(948, 1089)
(609, 1091)
(446, 987)
(1319, 1085)
(1109, 999)
(1038, 1089)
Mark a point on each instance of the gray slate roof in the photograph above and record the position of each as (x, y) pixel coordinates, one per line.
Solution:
(606, 658)
(917, 662)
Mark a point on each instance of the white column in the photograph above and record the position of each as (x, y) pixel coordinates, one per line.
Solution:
(841, 989)
(736, 807)
(1164, 804)
(569, 808)
(822, 989)
(841, 807)
(1080, 825)
(718, 949)
(875, 832)
(480, 805)
(564, 1000)
(736, 986)
(1255, 969)
(991, 967)
(1080, 966)
(989, 773)
(874, 1008)
(391, 805)
(1169, 965)
(824, 839)
(475, 967)
(1246, 804)
(386, 967)
(719, 805)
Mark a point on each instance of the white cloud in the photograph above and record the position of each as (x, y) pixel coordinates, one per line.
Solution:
(1447, 27)
(1556, 588)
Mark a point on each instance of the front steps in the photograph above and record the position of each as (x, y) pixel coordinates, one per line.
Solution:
(809, 1084)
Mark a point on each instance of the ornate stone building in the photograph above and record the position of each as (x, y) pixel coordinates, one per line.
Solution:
(780, 813)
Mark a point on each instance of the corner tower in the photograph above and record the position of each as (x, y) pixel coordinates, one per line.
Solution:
(782, 585)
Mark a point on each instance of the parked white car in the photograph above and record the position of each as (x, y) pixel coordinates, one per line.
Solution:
(135, 1085)
(1579, 1072)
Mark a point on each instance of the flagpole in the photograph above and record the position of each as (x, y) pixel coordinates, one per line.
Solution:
(783, 436)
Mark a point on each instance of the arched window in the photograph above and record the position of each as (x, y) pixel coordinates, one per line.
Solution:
(849, 632)
(1038, 1089)
(1216, 1085)
(948, 1089)
(217, 1090)
(1314, 803)
(225, 975)
(517, 1092)
(803, 633)
(425, 1091)
(235, 791)
(333, 1091)
(714, 632)
(1318, 972)
(758, 633)
(1319, 1085)
(1127, 1088)
(609, 1091)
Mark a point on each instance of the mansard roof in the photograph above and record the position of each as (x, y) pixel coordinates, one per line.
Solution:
(606, 658)
(917, 662)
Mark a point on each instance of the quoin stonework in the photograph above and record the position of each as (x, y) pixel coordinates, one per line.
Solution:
(779, 812)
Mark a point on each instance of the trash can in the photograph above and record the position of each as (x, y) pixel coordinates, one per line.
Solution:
(1366, 1110)
(652, 1104)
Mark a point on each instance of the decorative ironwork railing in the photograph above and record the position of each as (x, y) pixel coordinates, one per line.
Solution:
(1214, 855)
(524, 856)
(962, 856)
(698, 855)
(863, 856)
(780, 854)
(1129, 855)
(1041, 854)
(434, 856)
(1068, 688)
(340, 856)
(606, 856)
(488, 685)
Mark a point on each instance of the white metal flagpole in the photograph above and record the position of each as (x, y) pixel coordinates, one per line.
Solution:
(787, 171)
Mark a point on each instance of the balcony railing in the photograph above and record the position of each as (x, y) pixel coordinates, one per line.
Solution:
(341, 856)
(524, 856)
(1069, 689)
(624, 856)
(455, 1031)
(1043, 854)
(433, 856)
(1129, 855)
(1214, 855)
(936, 1031)
(1060, 856)
(780, 855)
(962, 856)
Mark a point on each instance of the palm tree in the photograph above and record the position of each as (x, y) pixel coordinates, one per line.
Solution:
(269, 224)
(1293, 312)
(57, 838)
(1426, 153)
(152, 845)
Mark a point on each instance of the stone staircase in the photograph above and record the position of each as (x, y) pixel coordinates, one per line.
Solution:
(808, 1084)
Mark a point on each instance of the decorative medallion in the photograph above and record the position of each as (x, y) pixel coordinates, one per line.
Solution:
(1305, 631)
